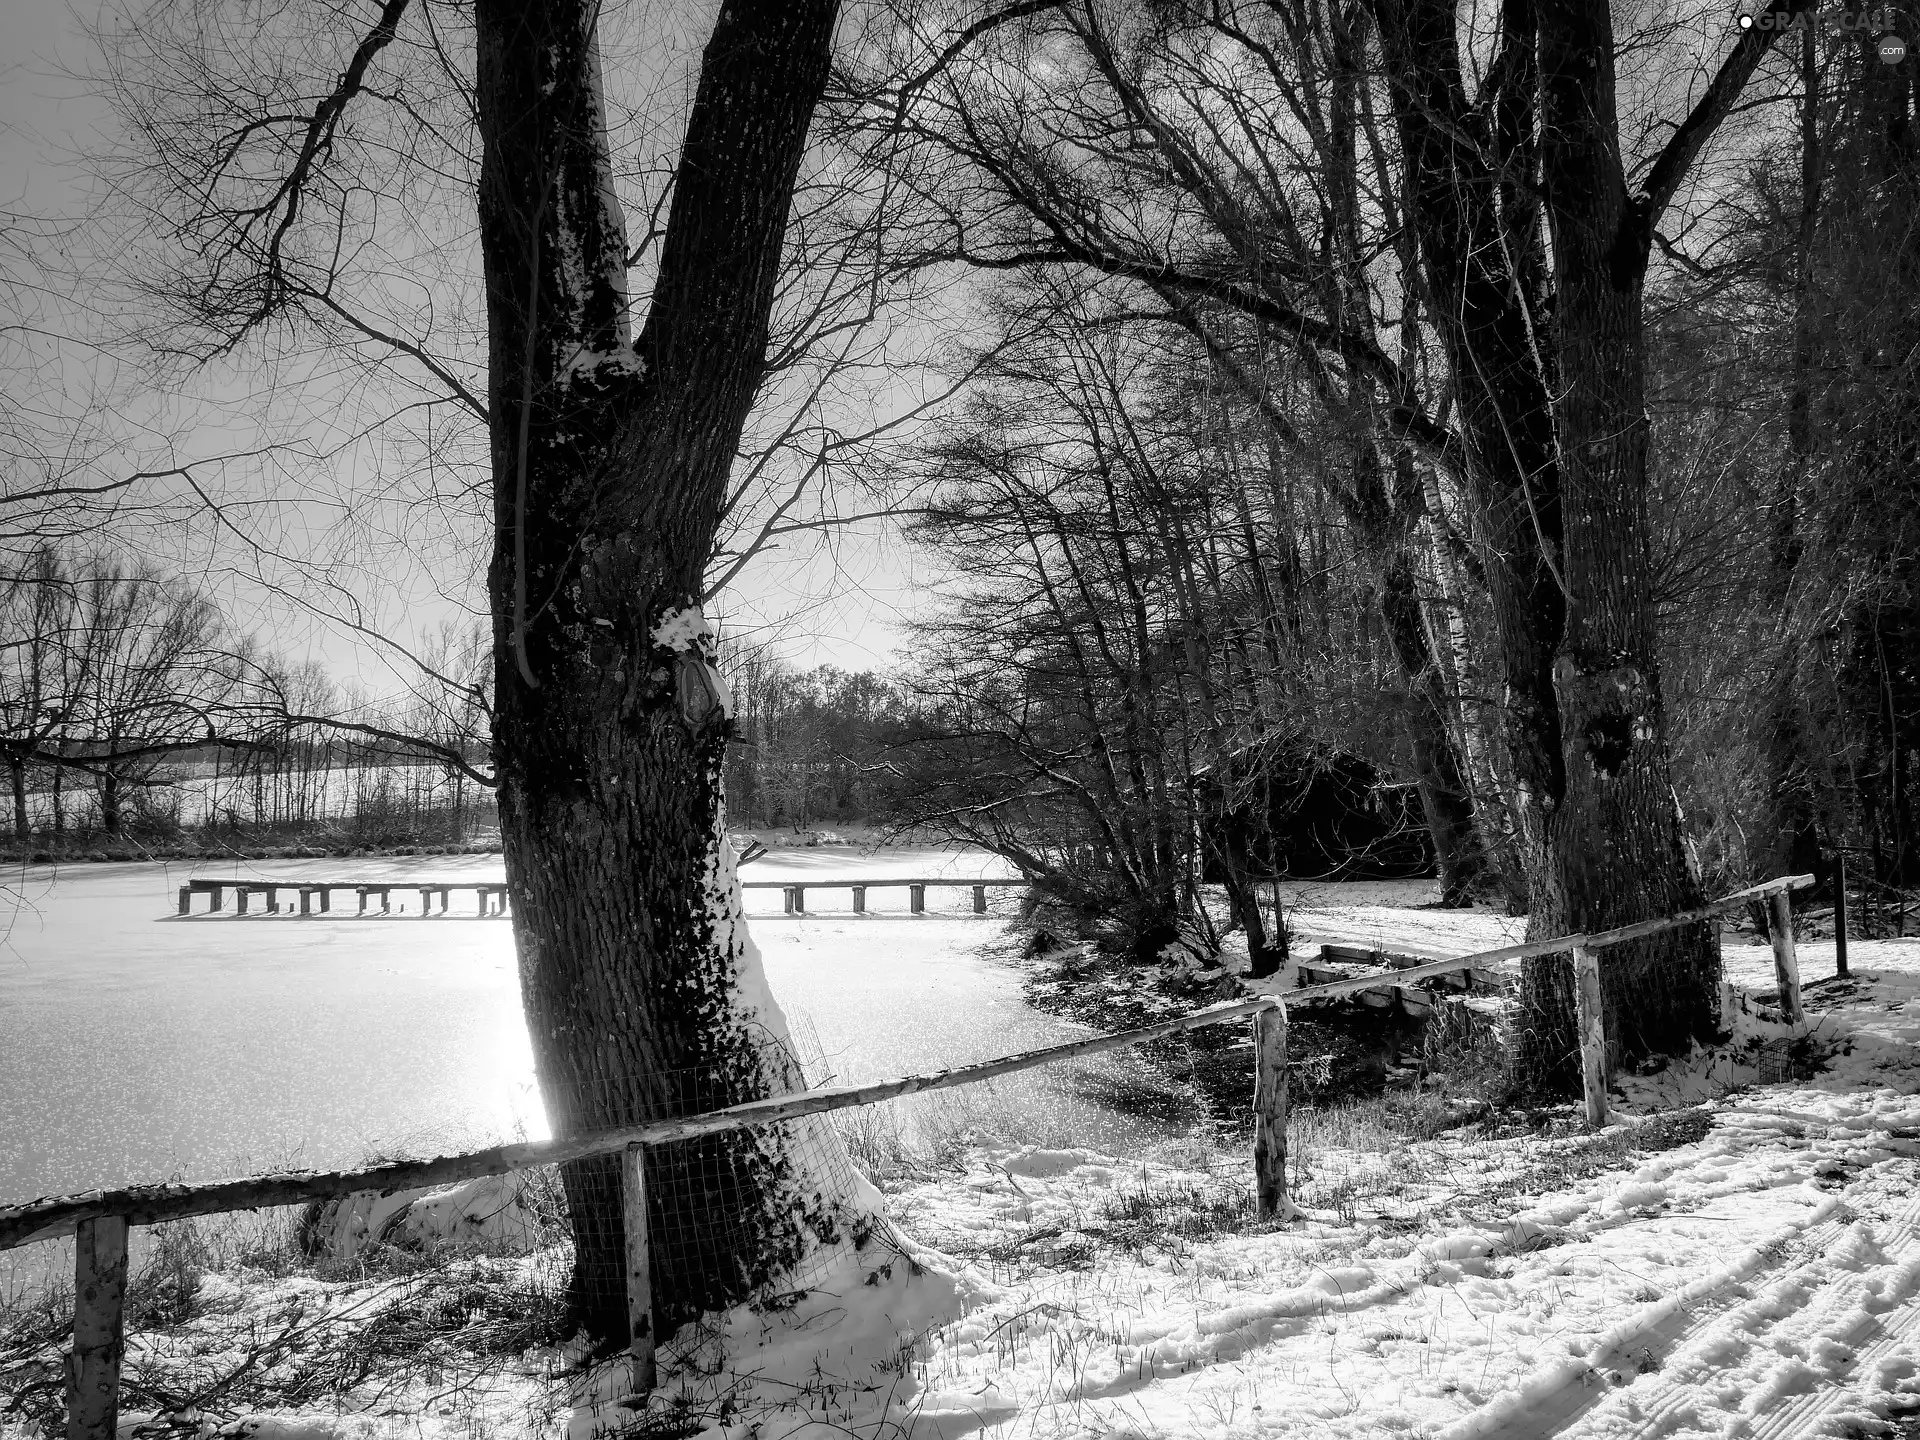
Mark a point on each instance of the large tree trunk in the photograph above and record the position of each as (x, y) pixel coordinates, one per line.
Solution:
(643, 994)
(1551, 400)
(1483, 263)
(1791, 842)
(1614, 840)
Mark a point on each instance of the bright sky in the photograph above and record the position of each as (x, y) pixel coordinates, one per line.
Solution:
(842, 607)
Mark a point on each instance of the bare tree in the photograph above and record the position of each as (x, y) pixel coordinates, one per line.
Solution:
(611, 446)
(117, 665)
(1517, 373)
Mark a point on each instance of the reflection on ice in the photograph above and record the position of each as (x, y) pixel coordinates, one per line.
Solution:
(141, 1046)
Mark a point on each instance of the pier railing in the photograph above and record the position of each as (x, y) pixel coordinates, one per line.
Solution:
(99, 1220)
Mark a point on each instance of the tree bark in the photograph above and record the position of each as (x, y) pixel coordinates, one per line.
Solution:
(1483, 266)
(1792, 845)
(643, 995)
(17, 774)
(110, 802)
(1551, 401)
(1385, 524)
(1614, 842)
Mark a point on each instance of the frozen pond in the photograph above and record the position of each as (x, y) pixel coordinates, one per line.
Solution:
(138, 1046)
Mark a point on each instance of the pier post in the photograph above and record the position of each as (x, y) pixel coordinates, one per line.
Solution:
(917, 899)
(979, 899)
(859, 899)
(186, 899)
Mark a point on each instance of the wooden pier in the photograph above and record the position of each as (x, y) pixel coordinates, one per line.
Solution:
(316, 896)
(795, 891)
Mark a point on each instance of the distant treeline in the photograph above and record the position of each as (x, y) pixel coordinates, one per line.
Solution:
(131, 706)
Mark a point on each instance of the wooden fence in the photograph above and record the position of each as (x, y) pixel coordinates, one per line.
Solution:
(99, 1220)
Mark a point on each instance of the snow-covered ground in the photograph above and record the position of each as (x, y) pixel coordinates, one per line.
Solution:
(1748, 1267)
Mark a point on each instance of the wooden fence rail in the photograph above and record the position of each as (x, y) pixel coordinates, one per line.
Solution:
(99, 1219)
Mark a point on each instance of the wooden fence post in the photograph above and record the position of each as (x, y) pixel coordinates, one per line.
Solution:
(859, 899)
(1786, 964)
(979, 899)
(633, 1205)
(917, 899)
(99, 1292)
(1270, 1113)
(1840, 920)
(786, 900)
(1593, 1034)
(186, 899)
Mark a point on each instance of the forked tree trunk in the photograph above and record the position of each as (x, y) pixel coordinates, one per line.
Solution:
(1550, 392)
(610, 459)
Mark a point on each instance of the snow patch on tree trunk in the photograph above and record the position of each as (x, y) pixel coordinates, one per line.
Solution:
(822, 1163)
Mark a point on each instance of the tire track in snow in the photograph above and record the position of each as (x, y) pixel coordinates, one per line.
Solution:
(1556, 1396)
(1854, 1319)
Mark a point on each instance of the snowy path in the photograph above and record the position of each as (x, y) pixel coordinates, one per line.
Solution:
(1761, 1280)
(1386, 915)
(1789, 1340)
(1757, 1282)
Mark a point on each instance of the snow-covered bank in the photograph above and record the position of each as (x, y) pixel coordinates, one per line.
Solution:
(1749, 1266)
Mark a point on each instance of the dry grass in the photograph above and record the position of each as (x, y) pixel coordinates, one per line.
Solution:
(231, 1314)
